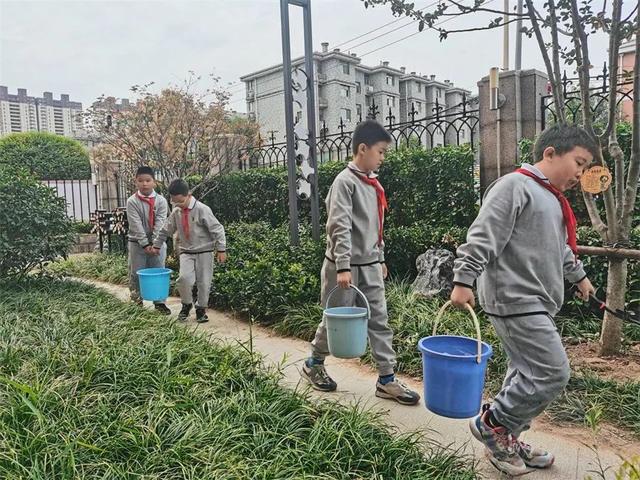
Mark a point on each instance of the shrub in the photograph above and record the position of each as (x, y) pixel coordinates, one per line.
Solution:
(45, 155)
(429, 186)
(34, 228)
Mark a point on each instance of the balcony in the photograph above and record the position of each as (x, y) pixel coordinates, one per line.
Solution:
(322, 77)
(322, 102)
(368, 89)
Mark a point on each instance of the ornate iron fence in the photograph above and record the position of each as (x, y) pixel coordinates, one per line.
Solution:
(456, 125)
(598, 94)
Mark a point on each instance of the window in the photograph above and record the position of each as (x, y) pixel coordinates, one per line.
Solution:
(358, 87)
(367, 80)
(298, 116)
(251, 107)
(419, 88)
(368, 101)
(358, 110)
(439, 93)
(345, 68)
(390, 80)
(345, 92)
(391, 101)
(419, 107)
(345, 114)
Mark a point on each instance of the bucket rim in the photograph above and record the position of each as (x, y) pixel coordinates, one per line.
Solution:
(362, 312)
(155, 271)
(423, 349)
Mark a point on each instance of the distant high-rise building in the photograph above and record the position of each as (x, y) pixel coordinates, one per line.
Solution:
(23, 113)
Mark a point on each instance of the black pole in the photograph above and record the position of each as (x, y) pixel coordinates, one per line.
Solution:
(288, 110)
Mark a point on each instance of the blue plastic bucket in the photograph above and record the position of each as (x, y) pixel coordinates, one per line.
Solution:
(154, 283)
(347, 328)
(453, 370)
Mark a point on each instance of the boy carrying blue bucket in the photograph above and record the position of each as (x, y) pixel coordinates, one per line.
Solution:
(355, 256)
(200, 235)
(146, 213)
(520, 249)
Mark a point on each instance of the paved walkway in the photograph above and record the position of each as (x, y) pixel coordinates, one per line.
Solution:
(356, 383)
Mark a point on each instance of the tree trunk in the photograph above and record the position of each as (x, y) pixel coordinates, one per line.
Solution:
(611, 336)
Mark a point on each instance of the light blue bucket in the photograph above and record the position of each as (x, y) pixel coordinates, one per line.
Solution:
(347, 328)
(154, 283)
(453, 371)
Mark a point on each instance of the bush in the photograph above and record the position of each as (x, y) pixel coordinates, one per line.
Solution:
(82, 227)
(421, 185)
(34, 227)
(264, 273)
(47, 156)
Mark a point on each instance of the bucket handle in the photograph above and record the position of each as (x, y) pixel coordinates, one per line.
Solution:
(475, 322)
(366, 302)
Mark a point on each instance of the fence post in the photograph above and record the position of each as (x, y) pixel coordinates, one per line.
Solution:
(532, 89)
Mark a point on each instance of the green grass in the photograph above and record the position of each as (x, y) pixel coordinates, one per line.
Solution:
(94, 388)
(411, 318)
(111, 268)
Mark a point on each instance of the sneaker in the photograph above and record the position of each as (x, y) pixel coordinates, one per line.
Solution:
(500, 443)
(184, 313)
(162, 308)
(534, 457)
(318, 377)
(397, 391)
(201, 315)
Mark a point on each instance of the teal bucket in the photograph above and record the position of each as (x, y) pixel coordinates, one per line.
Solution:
(347, 328)
(154, 283)
(453, 371)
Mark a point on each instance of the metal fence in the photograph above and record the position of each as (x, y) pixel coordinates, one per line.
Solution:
(456, 125)
(81, 197)
(598, 95)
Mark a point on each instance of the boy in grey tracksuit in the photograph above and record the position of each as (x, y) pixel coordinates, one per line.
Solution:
(355, 256)
(200, 235)
(520, 250)
(146, 213)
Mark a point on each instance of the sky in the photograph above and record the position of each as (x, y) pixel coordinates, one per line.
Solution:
(88, 48)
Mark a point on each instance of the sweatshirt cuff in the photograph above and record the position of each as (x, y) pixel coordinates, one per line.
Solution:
(465, 285)
(463, 279)
(576, 276)
(144, 243)
(343, 265)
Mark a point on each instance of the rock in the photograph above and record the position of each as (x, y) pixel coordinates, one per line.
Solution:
(435, 274)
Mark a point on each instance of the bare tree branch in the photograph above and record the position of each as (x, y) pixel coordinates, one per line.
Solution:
(614, 48)
(558, 97)
(555, 51)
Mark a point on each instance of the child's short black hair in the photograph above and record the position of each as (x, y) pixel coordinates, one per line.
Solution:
(144, 170)
(369, 132)
(563, 138)
(179, 187)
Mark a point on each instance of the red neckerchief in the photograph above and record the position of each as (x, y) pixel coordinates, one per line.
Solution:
(382, 201)
(151, 201)
(570, 221)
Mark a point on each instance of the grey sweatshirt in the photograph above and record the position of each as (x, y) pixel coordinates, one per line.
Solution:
(352, 221)
(138, 217)
(517, 249)
(206, 233)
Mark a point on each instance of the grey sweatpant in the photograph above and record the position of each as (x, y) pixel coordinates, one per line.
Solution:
(538, 369)
(139, 259)
(195, 269)
(369, 280)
